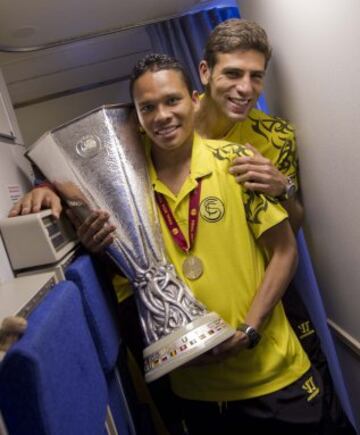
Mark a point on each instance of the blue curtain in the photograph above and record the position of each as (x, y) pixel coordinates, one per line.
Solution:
(184, 38)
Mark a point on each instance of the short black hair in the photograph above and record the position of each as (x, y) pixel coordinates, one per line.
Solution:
(156, 62)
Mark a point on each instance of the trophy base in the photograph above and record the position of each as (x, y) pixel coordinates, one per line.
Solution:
(185, 344)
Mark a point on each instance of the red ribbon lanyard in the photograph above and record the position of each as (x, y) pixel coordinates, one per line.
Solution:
(175, 231)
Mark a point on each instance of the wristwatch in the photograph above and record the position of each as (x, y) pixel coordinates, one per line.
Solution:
(253, 336)
(290, 190)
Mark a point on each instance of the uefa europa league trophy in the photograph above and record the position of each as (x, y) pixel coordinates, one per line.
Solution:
(98, 161)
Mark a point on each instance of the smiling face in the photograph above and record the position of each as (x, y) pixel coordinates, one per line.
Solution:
(235, 82)
(165, 108)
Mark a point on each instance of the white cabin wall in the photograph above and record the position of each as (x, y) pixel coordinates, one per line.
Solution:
(52, 86)
(313, 80)
(15, 171)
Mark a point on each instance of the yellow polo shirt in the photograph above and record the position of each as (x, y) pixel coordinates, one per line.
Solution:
(230, 221)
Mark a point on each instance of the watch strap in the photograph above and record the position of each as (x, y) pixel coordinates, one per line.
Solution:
(290, 190)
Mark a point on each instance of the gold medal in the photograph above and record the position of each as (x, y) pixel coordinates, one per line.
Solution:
(193, 267)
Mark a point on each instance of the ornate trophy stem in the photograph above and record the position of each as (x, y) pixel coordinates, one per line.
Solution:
(98, 161)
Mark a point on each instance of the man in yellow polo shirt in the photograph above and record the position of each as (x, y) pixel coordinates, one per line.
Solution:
(232, 72)
(261, 378)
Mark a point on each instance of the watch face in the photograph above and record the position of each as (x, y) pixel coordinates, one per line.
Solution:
(290, 189)
(254, 338)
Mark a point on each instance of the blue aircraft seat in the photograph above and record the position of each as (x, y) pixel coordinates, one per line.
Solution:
(51, 380)
(101, 316)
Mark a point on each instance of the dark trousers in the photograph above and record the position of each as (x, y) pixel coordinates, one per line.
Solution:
(293, 410)
(298, 409)
(207, 419)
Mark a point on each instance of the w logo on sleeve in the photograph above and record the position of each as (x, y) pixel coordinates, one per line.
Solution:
(310, 387)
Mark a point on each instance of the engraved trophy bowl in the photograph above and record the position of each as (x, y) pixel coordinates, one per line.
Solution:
(98, 161)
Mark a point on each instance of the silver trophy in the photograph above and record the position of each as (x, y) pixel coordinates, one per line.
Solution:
(98, 161)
